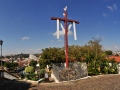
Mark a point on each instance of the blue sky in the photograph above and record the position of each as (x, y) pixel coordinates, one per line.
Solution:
(26, 25)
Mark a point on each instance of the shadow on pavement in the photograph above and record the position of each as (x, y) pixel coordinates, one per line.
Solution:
(14, 85)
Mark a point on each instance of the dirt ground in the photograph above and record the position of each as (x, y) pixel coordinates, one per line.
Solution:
(102, 82)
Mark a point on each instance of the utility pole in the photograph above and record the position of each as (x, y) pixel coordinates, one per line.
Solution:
(1, 43)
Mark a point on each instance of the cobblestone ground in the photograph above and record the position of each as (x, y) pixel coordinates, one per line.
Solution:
(104, 82)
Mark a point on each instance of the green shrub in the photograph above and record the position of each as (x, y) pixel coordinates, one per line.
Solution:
(111, 70)
(93, 71)
(31, 76)
(42, 71)
(105, 70)
(29, 69)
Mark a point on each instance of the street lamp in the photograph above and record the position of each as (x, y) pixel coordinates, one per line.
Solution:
(1, 43)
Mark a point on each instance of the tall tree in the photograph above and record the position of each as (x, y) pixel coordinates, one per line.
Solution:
(94, 55)
(74, 53)
(50, 55)
(108, 52)
(33, 63)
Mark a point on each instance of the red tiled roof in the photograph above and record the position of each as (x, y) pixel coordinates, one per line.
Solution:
(117, 58)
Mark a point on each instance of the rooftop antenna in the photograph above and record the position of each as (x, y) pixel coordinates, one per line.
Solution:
(65, 28)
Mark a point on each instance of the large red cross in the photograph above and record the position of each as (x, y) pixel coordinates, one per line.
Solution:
(65, 20)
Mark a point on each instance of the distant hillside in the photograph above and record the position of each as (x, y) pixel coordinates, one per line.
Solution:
(21, 55)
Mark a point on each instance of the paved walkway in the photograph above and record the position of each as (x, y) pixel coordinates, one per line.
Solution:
(104, 82)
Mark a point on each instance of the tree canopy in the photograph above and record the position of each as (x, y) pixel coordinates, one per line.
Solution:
(108, 52)
(33, 63)
(91, 53)
(11, 65)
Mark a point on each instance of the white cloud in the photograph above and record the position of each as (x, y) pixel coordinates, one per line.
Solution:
(33, 51)
(38, 49)
(116, 47)
(25, 38)
(104, 15)
(70, 32)
(99, 36)
(113, 7)
(61, 33)
(110, 8)
(59, 40)
(52, 41)
(115, 22)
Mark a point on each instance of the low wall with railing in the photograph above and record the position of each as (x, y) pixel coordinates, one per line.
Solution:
(7, 75)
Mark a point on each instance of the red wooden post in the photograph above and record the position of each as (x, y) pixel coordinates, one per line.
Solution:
(65, 20)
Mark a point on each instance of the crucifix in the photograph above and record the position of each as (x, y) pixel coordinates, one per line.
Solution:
(65, 29)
